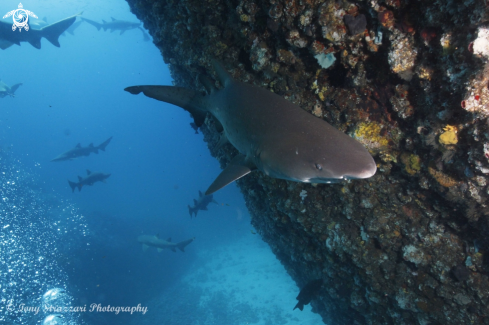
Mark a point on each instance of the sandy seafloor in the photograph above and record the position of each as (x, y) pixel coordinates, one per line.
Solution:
(242, 283)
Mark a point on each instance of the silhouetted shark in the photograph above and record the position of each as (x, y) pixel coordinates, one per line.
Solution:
(8, 91)
(33, 35)
(271, 133)
(160, 244)
(308, 293)
(116, 24)
(201, 204)
(79, 151)
(89, 180)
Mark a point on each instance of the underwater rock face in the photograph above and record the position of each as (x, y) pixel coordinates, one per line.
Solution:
(411, 244)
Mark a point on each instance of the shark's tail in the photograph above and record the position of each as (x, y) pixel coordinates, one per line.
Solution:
(14, 88)
(93, 23)
(104, 144)
(74, 185)
(53, 31)
(181, 245)
(299, 305)
(189, 100)
(193, 210)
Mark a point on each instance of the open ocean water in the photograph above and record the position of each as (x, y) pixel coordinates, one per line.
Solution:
(74, 258)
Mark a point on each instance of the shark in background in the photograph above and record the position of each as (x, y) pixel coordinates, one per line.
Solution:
(271, 134)
(117, 25)
(39, 23)
(160, 244)
(90, 179)
(201, 204)
(8, 91)
(79, 151)
(39, 29)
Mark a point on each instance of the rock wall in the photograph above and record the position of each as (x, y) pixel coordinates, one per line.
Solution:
(408, 79)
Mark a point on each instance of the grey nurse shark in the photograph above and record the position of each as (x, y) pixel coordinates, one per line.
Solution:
(160, 244)
(201, 204)
(117, 25)
(79, 151)
(8, 91)
(38, 30)
(90, 179)
(271, 134)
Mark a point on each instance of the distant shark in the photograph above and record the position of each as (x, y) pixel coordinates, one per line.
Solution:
(8, 91)
(201, 204)
(79, 151)
(160, 244)
(90, 179)
(309, 292)
(119, 25)
(271, 134)
(34, 34)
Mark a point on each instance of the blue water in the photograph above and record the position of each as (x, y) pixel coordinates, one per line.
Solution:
(83, 244)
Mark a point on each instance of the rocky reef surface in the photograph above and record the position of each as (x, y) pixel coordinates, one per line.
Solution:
(408, 79)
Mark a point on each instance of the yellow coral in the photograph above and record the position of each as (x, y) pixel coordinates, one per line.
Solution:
(369, 135)
(449, 136)
(412, 163)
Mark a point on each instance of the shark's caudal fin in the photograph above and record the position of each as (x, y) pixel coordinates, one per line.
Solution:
(299, 305)
(187, 99)
(53, 31)
(74, 185)
(192, 211)
(181, 245)
(93, 23)
(14, 88)
(104, 144)
(237, 168)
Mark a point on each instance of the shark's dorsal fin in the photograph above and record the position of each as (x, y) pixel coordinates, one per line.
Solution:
(208, 84)
(168, 239)
(189, 100)
(222, 141)
(237, 168)
(88, 172)
(200, 194)
(80, 178)
(224, 77)
(91, 145)
(78, 146)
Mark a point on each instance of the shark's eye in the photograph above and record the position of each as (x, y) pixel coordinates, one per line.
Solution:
(319, 167)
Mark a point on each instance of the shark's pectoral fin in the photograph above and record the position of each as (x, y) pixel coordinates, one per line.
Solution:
(187, 99)
(145, 247)
(237, 168)
(159, 250)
